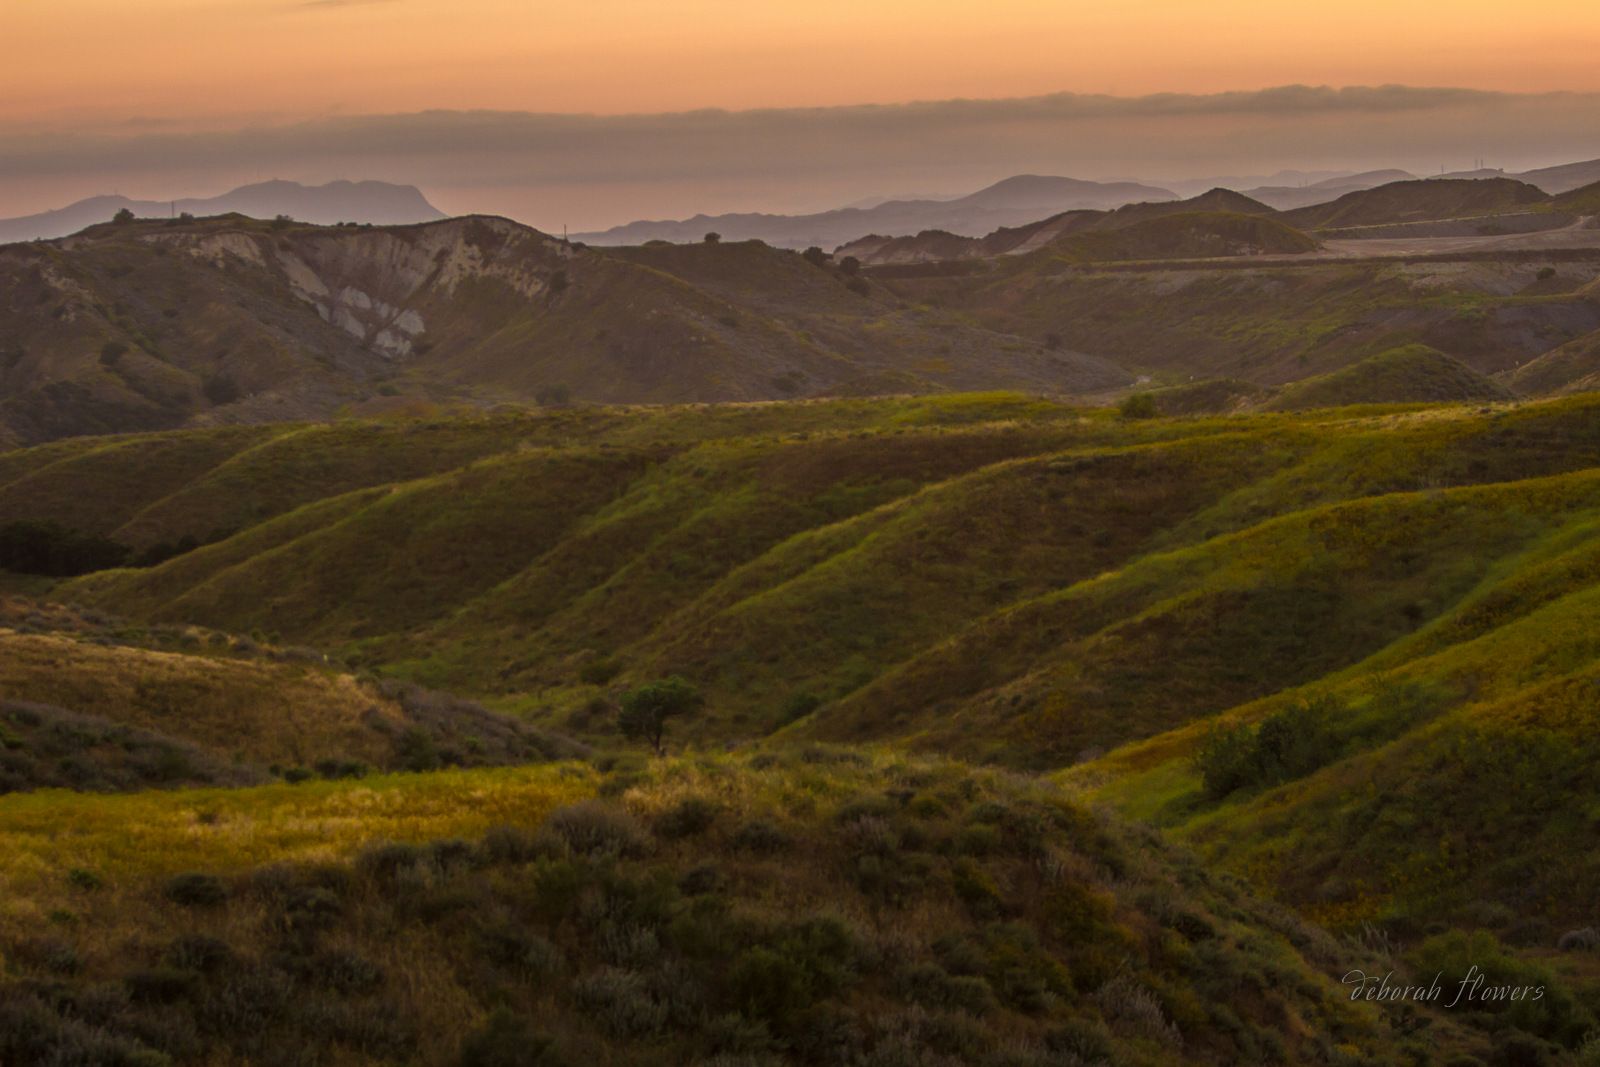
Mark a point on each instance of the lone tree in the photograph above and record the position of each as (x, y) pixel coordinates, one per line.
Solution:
(713, 238)
(645, 710)
(122, 217)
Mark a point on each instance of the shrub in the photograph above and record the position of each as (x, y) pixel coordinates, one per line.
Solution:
(416, 751)
(622, 1002)
(595, 829)
(1456, 955)
(713, 238)
(798, 706)
(761, 835)
(599, 671)
(1288, 744)
(1138, 406)
(122, 217)
(689, 817)
(508, 1040)
(195, 890)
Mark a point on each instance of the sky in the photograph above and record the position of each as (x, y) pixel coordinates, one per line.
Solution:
(469, 98)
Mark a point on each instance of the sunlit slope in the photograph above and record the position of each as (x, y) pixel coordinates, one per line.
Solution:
(1480, 730)
(983, 575)
(787, 908)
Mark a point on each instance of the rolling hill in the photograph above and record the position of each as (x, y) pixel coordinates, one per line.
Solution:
(919, 624)
(1409, 375)
(1417, 201)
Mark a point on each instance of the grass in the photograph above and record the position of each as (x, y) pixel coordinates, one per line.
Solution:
(648, 927)
(995, 578)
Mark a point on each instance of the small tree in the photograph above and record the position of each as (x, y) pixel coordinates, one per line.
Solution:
(123, 217)
(850, 266)
(816, 256)
(645, 710)
(559, 282)
(282, 222)
(713, 238)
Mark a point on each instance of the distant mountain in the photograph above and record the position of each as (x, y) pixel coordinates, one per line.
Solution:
(1213, 223)
(379, 203)
(1022, 199)
(1287, 198)
(1563, 178)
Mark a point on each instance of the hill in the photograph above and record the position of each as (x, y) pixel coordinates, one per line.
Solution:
(153, 325)
(941, 915)
(183, 706)
(1413, 374)
(1207, 230)
(1564, 177)
(1287, 198)
(1232, 627)
(1416, 201)
(366, 202)
(1014, 201)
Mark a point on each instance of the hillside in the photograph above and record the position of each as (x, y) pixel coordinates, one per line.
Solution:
(1229, 626)
(942, 915)
(366, 202)
(154, 325)
(1213, 224)
(1274, 322)
(1409, 375)
(183, 706)
(1014, 201)
(1287, 198)
(1415, 201)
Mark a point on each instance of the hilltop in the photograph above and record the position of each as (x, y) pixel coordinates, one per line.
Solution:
(1418, 201)
(1408, 375)
(366, 202)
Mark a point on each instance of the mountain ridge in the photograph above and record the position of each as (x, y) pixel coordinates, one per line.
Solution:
(372, 202)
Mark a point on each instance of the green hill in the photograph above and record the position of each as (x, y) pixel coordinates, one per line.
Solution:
(940, 915)
(1417, 201)
(1413, 374)
(1346, 655)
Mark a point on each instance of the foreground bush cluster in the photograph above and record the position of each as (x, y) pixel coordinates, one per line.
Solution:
(811, 908)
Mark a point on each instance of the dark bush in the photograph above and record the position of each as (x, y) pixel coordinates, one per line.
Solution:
(1288, 744)
(193, 890)
(508, 1040)
(689, 817)
(595, 829)
(761, 835)
(1138, 406)
(50, 549)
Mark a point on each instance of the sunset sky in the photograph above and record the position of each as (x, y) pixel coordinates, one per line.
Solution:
(93, 69)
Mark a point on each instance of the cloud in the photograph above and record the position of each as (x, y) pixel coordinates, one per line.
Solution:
(597, 170)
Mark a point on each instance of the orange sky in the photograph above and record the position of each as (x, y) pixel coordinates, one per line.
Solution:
(85, 62)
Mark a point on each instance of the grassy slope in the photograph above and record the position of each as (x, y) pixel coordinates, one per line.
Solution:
(1413, 374)
(226, 701)
(988, 576)
(941, 915)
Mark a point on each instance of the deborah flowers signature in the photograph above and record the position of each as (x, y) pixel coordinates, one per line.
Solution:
(1473, 989)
